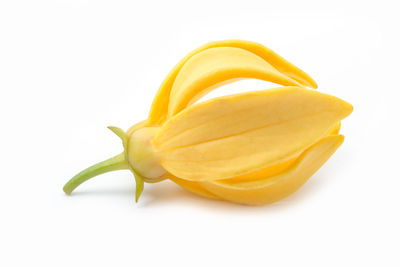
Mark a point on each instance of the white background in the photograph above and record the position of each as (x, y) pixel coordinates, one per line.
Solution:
(69, 68)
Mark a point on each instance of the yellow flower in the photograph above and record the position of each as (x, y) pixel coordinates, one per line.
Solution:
(251, 148)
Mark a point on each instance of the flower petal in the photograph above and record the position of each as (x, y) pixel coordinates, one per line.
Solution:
(160, 104)
(274, 188)
(261, 174)
(206, 71)
(234, 135)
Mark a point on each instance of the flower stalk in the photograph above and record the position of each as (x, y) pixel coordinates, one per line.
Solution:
(112, 164)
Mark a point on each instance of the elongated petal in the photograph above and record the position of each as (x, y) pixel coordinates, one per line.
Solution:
(199, 189)
(234, 135)
(274, 188)
(252, 188)
(261, 174)
(208, 69)
(159, 107)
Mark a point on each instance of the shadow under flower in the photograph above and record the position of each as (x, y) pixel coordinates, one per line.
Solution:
(167, 193)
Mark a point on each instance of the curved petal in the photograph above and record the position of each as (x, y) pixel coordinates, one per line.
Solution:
(199, 189)
(160, 104)
(274, 188)
(234, 135)
(208, 69)
(262, 174)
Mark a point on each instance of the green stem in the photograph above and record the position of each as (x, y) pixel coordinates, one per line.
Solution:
(115, 163)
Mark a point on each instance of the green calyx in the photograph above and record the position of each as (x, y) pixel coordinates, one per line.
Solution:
(119, 162)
